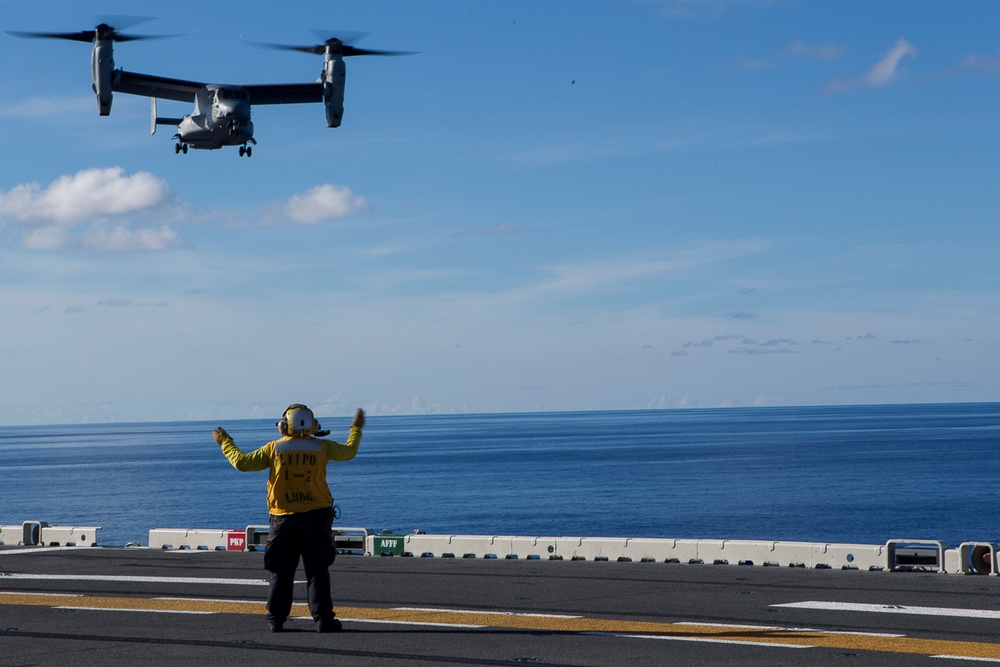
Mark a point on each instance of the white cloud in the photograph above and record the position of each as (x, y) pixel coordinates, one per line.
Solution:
(120, 238)
(84, 196)
(598, 275)
(110, 211)
(102, 238)
(319, 204)
(45, 238)
(883, 72)
(93, 209)
(980, 64)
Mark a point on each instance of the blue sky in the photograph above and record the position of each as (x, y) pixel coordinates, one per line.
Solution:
(552, 206)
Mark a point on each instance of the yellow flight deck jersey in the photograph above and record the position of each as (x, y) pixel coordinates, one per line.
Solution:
(297, 481)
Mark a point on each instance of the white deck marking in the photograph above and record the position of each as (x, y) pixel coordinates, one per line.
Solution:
(132, 579)
(435, 625)
(788, 629)
(38, 550)
(145, 611)
(892, 609)
(704, 640)
(214, 600)
(960, 657)
(435, 610)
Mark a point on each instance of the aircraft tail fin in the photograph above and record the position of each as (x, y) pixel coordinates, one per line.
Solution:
(155, 120)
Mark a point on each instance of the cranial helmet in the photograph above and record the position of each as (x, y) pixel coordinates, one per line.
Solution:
(298, 420)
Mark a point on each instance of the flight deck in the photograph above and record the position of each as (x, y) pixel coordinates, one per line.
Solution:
(131, 605)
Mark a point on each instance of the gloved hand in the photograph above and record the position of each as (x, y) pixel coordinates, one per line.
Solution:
(359, 419)
(219, 435)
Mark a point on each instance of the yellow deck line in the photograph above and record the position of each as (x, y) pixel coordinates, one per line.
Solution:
(533, 622)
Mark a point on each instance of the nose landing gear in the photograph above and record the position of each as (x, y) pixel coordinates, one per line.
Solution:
(246, 150)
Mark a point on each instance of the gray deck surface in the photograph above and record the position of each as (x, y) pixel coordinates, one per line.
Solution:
(423, 611)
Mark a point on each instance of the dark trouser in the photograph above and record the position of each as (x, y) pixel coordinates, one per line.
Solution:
(306, 534)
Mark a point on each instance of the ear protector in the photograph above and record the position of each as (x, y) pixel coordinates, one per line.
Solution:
(298, 420)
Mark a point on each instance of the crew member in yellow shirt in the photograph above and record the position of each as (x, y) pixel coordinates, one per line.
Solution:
(301, 509)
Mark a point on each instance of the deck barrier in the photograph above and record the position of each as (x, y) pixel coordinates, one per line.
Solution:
(895, 555)
(40, 533)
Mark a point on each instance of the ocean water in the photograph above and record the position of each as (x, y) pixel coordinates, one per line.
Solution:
(856, 474)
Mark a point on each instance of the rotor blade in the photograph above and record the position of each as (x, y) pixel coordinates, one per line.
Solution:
(339, 44)
(132, 38)
(81, 36)
(105, 29)
(354, 51)
(318, 50)
(85, 35)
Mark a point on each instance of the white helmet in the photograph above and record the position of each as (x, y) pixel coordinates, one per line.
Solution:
(298, 420)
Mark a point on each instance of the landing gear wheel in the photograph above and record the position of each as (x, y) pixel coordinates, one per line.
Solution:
(246, 150)
(180, 148)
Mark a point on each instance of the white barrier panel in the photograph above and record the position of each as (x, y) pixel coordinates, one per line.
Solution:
(69, 536)
(459, 546)
(971, 557)
(599, 548)
(733, 552)
(33, 533)
(183, 538)
(10, 535)
(28, 533)
(477, 546)
(849, 556)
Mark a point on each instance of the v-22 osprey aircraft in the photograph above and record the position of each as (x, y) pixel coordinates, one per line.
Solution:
(221, 115)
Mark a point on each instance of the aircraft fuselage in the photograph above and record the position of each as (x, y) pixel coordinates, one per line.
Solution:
(221, 118)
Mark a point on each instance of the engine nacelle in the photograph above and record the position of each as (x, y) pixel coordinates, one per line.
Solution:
(334, 77)
(103, 67)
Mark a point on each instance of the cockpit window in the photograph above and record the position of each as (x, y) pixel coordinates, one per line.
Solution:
(226, 94)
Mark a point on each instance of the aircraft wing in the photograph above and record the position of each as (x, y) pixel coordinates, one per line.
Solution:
(160, 87)
(285, 93)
